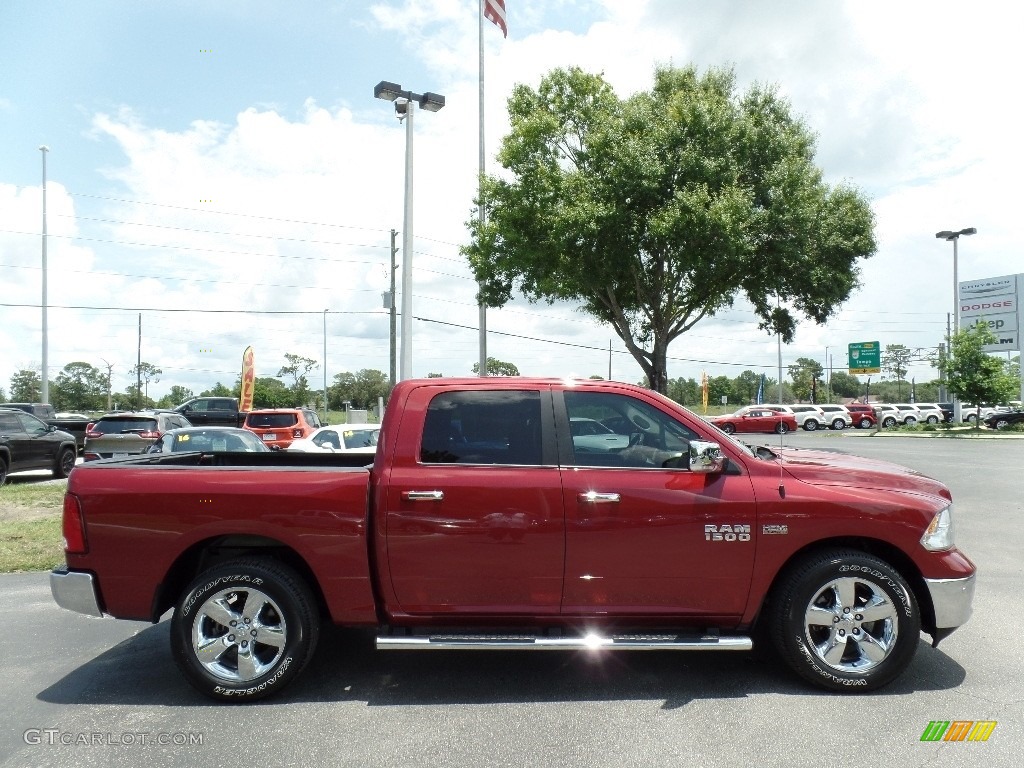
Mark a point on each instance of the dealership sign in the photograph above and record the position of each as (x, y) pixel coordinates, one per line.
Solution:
(995, 302)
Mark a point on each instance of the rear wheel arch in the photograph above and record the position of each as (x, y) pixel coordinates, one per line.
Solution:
(206, 554)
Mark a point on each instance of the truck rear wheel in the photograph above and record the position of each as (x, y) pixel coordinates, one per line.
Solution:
(845, 621)
(244, 629)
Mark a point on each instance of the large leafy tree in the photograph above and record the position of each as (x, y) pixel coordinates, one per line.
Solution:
(804, 374)
(298, 367)
(972, 374)
(845, 385)
(80, 386)
(143, 373)
(497, 367)
(655, 211)
(26, 386)
(895, 362)
(361, 389)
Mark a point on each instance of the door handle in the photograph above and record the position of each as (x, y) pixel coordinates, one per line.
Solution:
(593, 497)
(423, 495)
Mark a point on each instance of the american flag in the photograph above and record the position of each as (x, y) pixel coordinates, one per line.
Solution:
(494, 11)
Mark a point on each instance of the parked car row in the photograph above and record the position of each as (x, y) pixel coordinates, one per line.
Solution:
(27, 442)
(118, 435)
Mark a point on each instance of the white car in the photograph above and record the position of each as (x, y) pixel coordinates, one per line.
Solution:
(340, 438)
(836, 416)
(809, 417)
(908, 413)
(968, 412)
(888, 415)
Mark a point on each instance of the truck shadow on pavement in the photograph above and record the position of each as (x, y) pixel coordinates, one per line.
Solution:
(140, 671)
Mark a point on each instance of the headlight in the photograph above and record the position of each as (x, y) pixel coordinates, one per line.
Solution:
(939, 534)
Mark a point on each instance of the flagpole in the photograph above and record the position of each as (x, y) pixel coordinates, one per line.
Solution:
(480, 194)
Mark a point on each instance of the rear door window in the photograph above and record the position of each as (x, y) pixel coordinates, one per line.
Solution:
(271, 420)
(483, 427)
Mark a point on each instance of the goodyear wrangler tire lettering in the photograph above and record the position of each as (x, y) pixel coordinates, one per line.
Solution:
(244, 630)
(844, 620)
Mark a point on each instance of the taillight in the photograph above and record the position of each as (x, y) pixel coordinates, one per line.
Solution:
(90, 456)
(73, 526)
(152, 435)
(91, 431)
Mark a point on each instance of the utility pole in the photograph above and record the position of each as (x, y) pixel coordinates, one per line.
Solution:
(394, 322)
(45, 371)
(138, 370)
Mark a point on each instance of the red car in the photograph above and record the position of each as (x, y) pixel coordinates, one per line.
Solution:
(863, 415)
(755, 419)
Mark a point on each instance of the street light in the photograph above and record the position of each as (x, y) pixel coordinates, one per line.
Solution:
(325, 366)
(405, 102)
(955, 236)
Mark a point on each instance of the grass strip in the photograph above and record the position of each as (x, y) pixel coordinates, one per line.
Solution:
(31, 545)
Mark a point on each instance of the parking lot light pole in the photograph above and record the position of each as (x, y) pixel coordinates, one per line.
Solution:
(955, 237)
(44, 372)
(405, 106)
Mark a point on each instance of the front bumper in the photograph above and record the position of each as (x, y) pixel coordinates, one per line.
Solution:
(951, 600)
(76, 591)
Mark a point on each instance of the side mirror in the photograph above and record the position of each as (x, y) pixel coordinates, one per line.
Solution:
(706, 458)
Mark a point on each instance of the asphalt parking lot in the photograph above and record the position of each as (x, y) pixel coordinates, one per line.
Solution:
(111, 689)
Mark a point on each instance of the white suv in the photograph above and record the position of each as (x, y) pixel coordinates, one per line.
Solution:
(836, 416)
(931, 413)
(807, 416)
(908, 414)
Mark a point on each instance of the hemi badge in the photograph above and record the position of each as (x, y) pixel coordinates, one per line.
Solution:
(770, 530)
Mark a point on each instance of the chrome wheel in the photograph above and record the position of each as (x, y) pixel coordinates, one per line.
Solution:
(838, 424)
(933, 419)
(810, 425)
(239, 634)
(851, 625)
(1002, 424)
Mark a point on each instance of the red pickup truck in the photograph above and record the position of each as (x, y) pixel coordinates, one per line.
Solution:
(485, 523)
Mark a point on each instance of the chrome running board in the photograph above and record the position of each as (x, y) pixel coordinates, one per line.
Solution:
(592, 642)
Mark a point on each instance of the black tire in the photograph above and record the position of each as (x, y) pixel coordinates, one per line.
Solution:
(282, 621)
(810, 425)
(729, 429)
(3, 471)
(65, 463)
(1000, 424)
(839, 424)
(782, 428)
(889, 421)
(866, 423)
(835, 649)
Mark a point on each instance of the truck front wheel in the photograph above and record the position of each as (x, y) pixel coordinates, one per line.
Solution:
(845, 621)
(244, 629)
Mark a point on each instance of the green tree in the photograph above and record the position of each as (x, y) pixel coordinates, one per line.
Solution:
(268, 392)
(26, 386)
(361, 389)
(144, 372)
(3, 397)
(133, 397)
(719, 387)
(895, 362)
(845, 385)
(497, 368)
(176, 396)
(972, 374)
(684, 391)
(744, 388)
(802, 373)
(655, 211)
(298, 367)
(79, 386)
(219, 390)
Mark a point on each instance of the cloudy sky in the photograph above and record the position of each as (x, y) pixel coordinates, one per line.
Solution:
(230, 155)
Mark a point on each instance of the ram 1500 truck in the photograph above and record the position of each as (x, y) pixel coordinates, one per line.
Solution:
(212, 412)
(495, 515)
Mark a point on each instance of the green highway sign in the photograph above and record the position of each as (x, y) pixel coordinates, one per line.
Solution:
(865, 357)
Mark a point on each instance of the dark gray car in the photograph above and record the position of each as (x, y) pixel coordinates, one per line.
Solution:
(29, 443)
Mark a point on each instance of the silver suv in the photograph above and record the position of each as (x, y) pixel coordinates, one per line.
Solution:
(128, 434)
